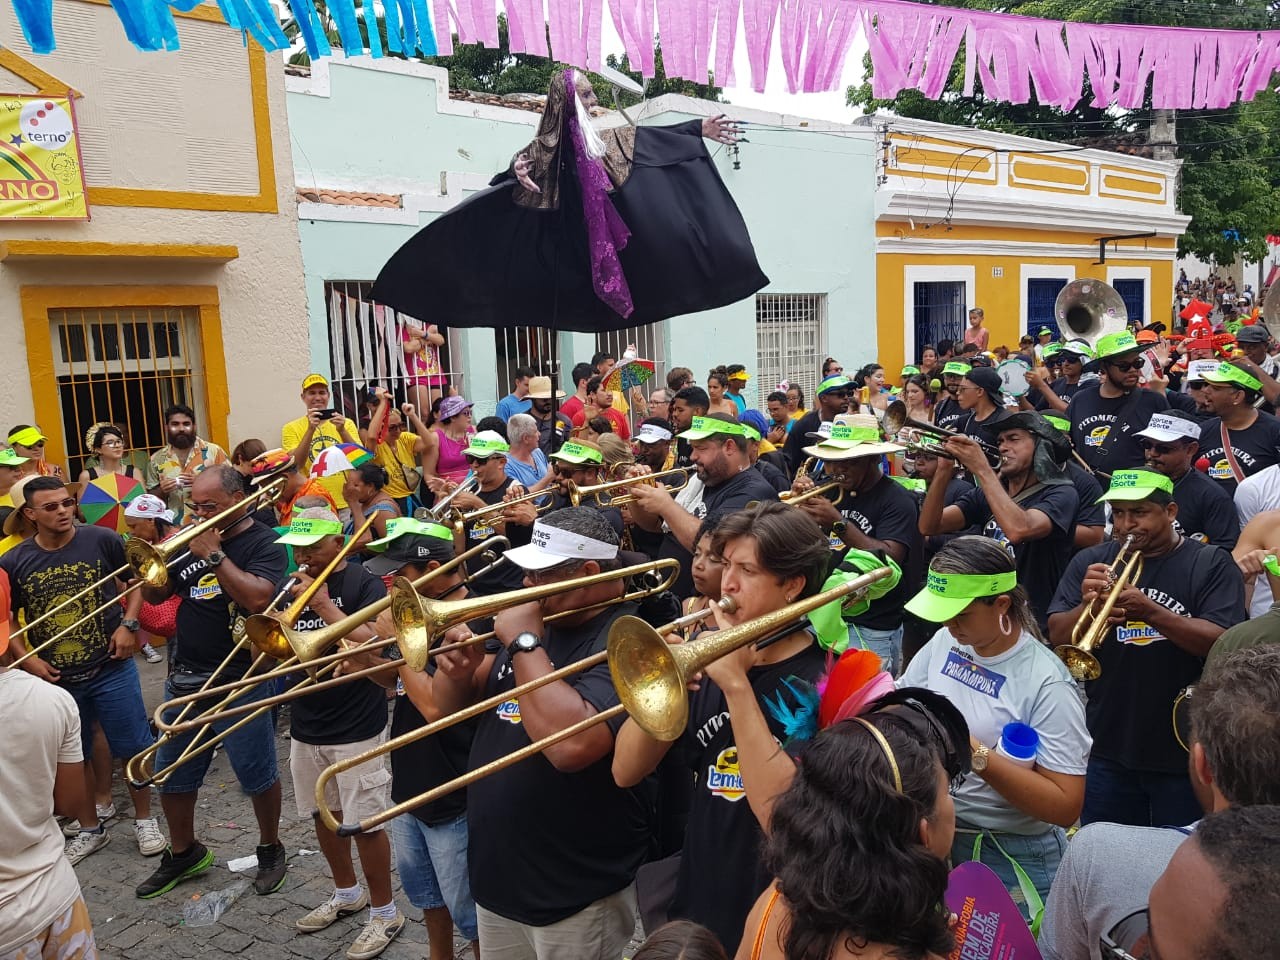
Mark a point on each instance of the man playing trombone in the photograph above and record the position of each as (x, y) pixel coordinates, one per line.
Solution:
(1150, 644)
(231, 573)
(330, 725)
(93, 660)
(554, 843)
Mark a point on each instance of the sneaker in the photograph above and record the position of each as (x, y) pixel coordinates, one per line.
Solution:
(376, 937)
(330, 912)
(150, 840)
(272, 864)
(152, 655)
(86, 842)
(72, 827)
(173, 870)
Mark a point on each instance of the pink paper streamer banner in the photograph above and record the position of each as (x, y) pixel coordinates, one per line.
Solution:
(913, 47)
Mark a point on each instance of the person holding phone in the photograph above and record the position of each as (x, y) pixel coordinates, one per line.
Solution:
(320, 427)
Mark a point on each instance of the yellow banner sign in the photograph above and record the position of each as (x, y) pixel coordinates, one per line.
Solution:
(41, 177)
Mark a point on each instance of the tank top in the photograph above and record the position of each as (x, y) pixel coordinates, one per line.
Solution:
(452, 465)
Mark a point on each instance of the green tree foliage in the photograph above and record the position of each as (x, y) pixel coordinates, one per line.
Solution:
(1231, 158)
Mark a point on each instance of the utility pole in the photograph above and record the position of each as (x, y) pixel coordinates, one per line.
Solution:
(1163, 135)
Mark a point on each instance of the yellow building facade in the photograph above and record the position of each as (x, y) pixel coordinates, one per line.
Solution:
(184, 285)
(968, 218)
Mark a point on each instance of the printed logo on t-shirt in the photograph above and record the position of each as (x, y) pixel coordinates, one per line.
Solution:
(724, 779)
(961, 669)
(1221, 469)
(509, 710)
(1096, 436)
(1197, 537)
(1137, 633)
(207, 588)
(480, 532)
(994, 531)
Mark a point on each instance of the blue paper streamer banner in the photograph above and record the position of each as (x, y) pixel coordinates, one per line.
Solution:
(149, 25)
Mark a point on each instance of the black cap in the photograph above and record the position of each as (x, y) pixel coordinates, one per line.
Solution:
(415, 548)
(987, 379)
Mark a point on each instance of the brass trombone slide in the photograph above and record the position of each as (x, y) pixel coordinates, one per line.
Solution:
(293, 649)
(149, 563)
(651, 678)
(193, 749)
(1092, 627)
(577, 494)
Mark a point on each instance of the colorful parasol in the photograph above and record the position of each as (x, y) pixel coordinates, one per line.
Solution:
(104, 499)
(628, 374)
(354, 453)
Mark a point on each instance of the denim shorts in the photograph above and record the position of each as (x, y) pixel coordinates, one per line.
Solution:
(886, 644)
(1037, 854)
(251, 749)
(432, 863)
(114, 698)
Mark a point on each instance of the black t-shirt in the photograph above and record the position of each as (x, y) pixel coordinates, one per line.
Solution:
(1206, 512)
(1184, 403)
(209, 621)
(1090, 512)
(977, 429)
(957, 487)
(1061, 388)
(798, 438)
(507, 576)
(772, 475)
(353, 711)
(887, 512)
(545, 844)
(41, 579)
(734, 494)
(1039, 562)
(430, 761)
(1142, 672)
(1255, 447)
(950, 415)
(1093, 418)
(721, 873)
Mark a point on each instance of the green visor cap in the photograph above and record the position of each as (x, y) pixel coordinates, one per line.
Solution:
(1051, 350)
(1230, 373)
(837, 382)
(1136, 485)
(910, 371)
(1114, 344)
(1061, 424)
(305, 532)
(404, 526)
(573, 452)
(956, 367)
(945, 595)
(704, 428)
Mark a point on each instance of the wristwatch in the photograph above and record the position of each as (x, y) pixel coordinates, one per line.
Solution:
(978, 761)
(133, 626)
(524, 643)
(215, 557)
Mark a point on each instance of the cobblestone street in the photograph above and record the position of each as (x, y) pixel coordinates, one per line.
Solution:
(253, 927)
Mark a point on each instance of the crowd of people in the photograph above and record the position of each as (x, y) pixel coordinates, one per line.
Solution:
(827, 777)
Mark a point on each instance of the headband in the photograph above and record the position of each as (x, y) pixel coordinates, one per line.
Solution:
(887, 750)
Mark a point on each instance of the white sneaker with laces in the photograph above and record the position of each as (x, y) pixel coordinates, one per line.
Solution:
(151, 653)
(72, 827)
(330, 912)
(376, 937)
(85, 843)
(150, 840)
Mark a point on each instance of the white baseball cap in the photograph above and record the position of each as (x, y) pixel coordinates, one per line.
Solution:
(1167, 427)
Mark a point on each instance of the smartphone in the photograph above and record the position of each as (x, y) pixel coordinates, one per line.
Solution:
(328, 413)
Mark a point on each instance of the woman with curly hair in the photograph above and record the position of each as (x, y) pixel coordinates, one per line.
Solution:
(875, 788)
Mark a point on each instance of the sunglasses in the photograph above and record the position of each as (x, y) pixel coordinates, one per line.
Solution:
(68, 504)
(1125, 366)
(201, 507)
(38, 445)
(1130, 939)
(1160, 448)
(476, 461)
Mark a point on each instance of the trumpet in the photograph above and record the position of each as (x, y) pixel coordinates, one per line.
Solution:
(137, 770)
(458, 520)
(822, 490)
(149, 563)
(470, 483)
(651, 678)
(927, 437)
(577, 494)
(1092, 627)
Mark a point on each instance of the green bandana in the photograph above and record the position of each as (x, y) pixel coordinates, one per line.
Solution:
(830, 621)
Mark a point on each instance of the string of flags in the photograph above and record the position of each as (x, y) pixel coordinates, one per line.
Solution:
(913, 46)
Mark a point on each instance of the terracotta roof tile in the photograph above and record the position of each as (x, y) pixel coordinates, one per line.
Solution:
(351, 198)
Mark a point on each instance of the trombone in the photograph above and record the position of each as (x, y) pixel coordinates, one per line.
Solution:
(651, 678)
(577, 494)
(1092, 627)
(819, 491)
(150, 564)
(135, 769)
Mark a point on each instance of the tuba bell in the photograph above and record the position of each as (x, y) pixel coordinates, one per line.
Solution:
(1088, 310)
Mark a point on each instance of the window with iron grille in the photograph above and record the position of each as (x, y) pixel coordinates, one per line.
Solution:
(532, 347)
(1042, 295)
(940, 312)
(649, 342)
(1134, 295)
(791, 341)
(365, 350)
(124, 365)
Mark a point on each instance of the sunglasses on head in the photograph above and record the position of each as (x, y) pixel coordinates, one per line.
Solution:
(1126, 365)
(1130, 939)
